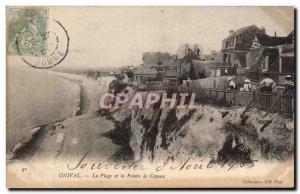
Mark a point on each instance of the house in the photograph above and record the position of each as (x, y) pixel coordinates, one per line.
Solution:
(171, 77)
(183, 50)
(142, 74)
(271, 57)
(185, 65)
(201, 69)
(222, 70)
(205, 69)
(159, 61)
(237, 44)
(287, 56)
(259, 44)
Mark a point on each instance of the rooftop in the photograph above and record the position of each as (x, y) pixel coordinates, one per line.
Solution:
(240, 31)
(266, 40)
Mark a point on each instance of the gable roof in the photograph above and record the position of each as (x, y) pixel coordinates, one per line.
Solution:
(240, 31)
(266, 40)
(290, 37)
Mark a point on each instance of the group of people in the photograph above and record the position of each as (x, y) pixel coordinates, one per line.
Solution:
(247, 87)
(267, 85)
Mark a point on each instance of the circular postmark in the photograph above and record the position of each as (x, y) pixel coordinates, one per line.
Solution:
(43, 51)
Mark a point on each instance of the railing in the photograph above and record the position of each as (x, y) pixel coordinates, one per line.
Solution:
(271, 102)
(263, 101)
(287, 104)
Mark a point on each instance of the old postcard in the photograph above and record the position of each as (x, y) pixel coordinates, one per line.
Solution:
(150, 97)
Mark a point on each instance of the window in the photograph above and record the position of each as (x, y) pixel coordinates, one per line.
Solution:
(266, 66)
(218, 72)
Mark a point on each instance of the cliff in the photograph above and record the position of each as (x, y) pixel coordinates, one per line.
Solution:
(213, 133)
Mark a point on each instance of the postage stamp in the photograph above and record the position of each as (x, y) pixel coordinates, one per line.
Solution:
(28, 27)
(40, 42)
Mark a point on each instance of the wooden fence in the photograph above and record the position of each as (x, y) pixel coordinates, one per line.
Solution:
(271, 102)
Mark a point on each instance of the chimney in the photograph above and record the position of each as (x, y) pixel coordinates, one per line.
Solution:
(186, 48)
(231, 31)
(275, 35)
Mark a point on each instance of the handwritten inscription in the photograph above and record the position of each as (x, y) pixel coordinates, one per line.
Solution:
(186, 165)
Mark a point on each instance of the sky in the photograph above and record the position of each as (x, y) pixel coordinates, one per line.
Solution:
(117, 36)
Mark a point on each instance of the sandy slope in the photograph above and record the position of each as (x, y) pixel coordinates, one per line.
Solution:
(35, 97)
(79, 134)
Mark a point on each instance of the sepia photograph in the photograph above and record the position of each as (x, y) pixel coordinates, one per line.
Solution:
(150, 97)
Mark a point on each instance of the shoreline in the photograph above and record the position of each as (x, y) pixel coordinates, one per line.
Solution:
(37, 132)
(85, 104)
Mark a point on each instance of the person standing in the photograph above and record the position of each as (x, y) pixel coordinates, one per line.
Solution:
(247, 85)
(289, 86)
(267, 85)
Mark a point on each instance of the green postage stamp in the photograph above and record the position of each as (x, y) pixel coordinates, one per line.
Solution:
(27, 31)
